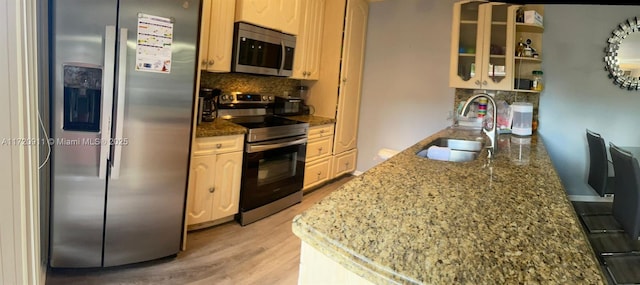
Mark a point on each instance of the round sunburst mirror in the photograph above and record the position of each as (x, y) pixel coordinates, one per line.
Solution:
(622, 55)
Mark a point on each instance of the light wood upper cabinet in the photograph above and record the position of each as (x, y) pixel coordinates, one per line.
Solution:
(282, 15)
(324, 91)
(289, 14)
(482, 46)
(306, 64)
(525, 65)
(257, 12)
(351, 76)
(216, 36)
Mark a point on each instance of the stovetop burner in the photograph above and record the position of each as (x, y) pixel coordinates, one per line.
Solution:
(253, 112)
(265, 121)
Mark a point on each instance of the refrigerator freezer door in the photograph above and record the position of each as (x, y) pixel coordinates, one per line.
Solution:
(145, 203)
(79, 85)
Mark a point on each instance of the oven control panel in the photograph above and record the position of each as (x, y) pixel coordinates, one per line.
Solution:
(246, 98)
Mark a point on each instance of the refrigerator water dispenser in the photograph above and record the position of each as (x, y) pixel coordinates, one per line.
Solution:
(82, 96)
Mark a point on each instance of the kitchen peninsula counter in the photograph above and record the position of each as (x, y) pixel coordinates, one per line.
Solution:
(415, 220)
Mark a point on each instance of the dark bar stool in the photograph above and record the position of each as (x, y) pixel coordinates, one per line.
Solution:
(596, 216)
(625, 268)
(599, 178)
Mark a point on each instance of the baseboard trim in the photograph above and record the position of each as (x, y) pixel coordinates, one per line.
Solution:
(589, 198)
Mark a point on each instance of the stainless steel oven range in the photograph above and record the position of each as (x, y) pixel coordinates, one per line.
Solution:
(274, 155)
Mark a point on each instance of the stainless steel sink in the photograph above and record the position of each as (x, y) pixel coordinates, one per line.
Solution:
(459, 150)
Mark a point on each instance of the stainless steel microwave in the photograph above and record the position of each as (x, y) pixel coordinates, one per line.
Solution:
(262, 51)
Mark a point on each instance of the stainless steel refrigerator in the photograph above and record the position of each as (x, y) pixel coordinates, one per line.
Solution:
(122, 85)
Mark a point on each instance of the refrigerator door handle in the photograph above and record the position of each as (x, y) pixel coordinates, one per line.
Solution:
(107, 99)
(119, 140)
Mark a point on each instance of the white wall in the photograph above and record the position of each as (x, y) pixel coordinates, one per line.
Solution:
(19, 216)
(578, 94)
(405, 93)
(406, 96)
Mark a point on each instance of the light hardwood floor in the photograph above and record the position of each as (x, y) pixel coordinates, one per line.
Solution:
(265, 252)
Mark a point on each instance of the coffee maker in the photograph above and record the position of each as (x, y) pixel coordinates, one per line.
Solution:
(207, 104)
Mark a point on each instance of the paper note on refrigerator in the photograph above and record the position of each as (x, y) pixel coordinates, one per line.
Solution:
(153, 49)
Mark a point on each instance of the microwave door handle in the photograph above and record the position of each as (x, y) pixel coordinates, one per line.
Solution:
(282, 57)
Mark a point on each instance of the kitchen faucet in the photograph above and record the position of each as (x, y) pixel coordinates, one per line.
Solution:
(492, 134)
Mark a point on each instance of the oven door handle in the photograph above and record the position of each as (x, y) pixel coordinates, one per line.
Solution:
(251, 148)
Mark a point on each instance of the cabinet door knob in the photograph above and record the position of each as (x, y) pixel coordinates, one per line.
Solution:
(484, 82)
(204, 63)
(218, 145)
(344, 80)
(211, 62)
(477, 82)
(212, 189)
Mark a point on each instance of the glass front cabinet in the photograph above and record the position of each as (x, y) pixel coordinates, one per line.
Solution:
(482, 50)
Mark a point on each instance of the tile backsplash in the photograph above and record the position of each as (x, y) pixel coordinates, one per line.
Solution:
(248, 83)
(508, 96)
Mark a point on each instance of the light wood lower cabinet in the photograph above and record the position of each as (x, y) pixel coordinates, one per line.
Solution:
(318, 149)
(226, 192)
(214, 179)
(344, 163)
(318, 160)
(317, 172)
(201, 181)
(216, 145)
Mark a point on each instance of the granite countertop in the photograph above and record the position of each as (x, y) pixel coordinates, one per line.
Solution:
(219, 127)
(414, 220)
(222, 127)
(313, 120)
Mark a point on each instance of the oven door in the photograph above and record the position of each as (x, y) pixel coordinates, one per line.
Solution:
(271, 171)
